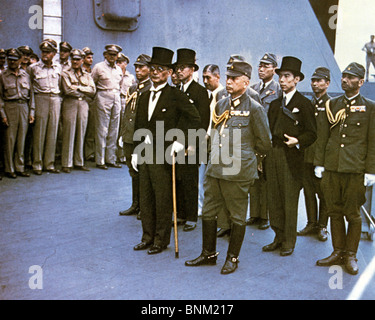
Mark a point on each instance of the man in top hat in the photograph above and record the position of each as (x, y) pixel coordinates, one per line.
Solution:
(293, 128)
(161, 109)
(369, 48)
(64, 54)
(26, 54)
(142, 72)
(77, 85)
(45, 77)
(187, 173)
(268, 90)
(14, 110)
(240, 129)
(346, 162)
(107, 76)
(317, 218)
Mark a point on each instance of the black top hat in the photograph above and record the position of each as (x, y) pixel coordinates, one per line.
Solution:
(186, 56)
(292, 64)
(161, 56)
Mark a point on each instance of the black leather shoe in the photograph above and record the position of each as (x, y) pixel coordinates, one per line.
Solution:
(37, 172)
(142, 246)
(222, 232)
(11, 175)
(66, 169)
(128, 212)
(272, 246)
(286, 252)
(23, 174)
(351, 263)
(81, 168)
(114, 165)
(230, 265)
(336, 258)
(156, 249)
(205, 259)
(263, 224)
(252, 221)
(310, 228)
(189, 227)
(102, 166)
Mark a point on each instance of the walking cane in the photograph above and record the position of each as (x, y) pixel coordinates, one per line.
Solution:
(174, 204)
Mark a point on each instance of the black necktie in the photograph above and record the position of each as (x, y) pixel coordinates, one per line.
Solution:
(154, 95)
(262, 89)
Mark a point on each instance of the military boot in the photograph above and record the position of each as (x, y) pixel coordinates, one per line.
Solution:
(235, 243)
(352, 241)
(209, 254)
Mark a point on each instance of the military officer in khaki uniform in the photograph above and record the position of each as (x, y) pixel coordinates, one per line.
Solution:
(107, 77)
(45, 107)
(64, 54)
(14, 110)
(77, 85)
(26, 54)
(268, 90)
(346, 160)
(241, 130)
(142, 72)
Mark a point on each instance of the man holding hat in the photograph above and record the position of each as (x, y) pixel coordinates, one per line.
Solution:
(311, 184)
(239, 130)
(345, 160)
(142, 72)
(187, 173)
(45, 78)
(268, 90)
(293, 128)
(160, 110)
(14, 110)
(107, 77)
(77, 85)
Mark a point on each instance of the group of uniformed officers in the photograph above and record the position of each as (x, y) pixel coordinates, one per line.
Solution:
(266, 141)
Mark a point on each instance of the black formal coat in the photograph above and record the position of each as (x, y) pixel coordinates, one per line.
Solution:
(299, 123)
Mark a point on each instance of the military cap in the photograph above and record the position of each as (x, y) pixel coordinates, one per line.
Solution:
(13, 54)
(113, 48)
(87, 51)
(355, 69)
(235, 57)
(25, 50)
(321, 73)
(122, 57)
(65, 46)
(142, 60)
(269, 58)
(2, 53)
(77, 54)
(239, 68)
(48, 45)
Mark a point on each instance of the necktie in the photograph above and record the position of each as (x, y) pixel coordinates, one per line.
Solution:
(154, 93)
(262, 89)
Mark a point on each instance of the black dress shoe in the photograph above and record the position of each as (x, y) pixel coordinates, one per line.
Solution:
(53, 170)
(134, 209)
(222, 232)
(252, 221)
(66, 169)
(37, 172)
(272, 246)
(11, 175)
(102, 166)
(156, 249)
(230, 265)
(23, 174)
(205, 259)
(336, 258)
(142, 246)
(81, 168)
(286, 252)
(114, 165)
(310, 228)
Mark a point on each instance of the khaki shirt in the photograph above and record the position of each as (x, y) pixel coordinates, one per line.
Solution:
(13, 87)
(78, 86)
(107, 77)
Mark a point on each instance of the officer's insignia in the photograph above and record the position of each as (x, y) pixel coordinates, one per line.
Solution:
(236, 102)
(269, 92)
(141, 86)
(358, 109)
(45, 45)
(265, 57)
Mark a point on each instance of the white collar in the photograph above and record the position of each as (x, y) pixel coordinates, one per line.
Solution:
(289, 96)
(187, 84)
(158, 87)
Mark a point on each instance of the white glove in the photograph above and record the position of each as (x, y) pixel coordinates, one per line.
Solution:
(319, 171)
(369, 179)
(176, 147)
(134, 161)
